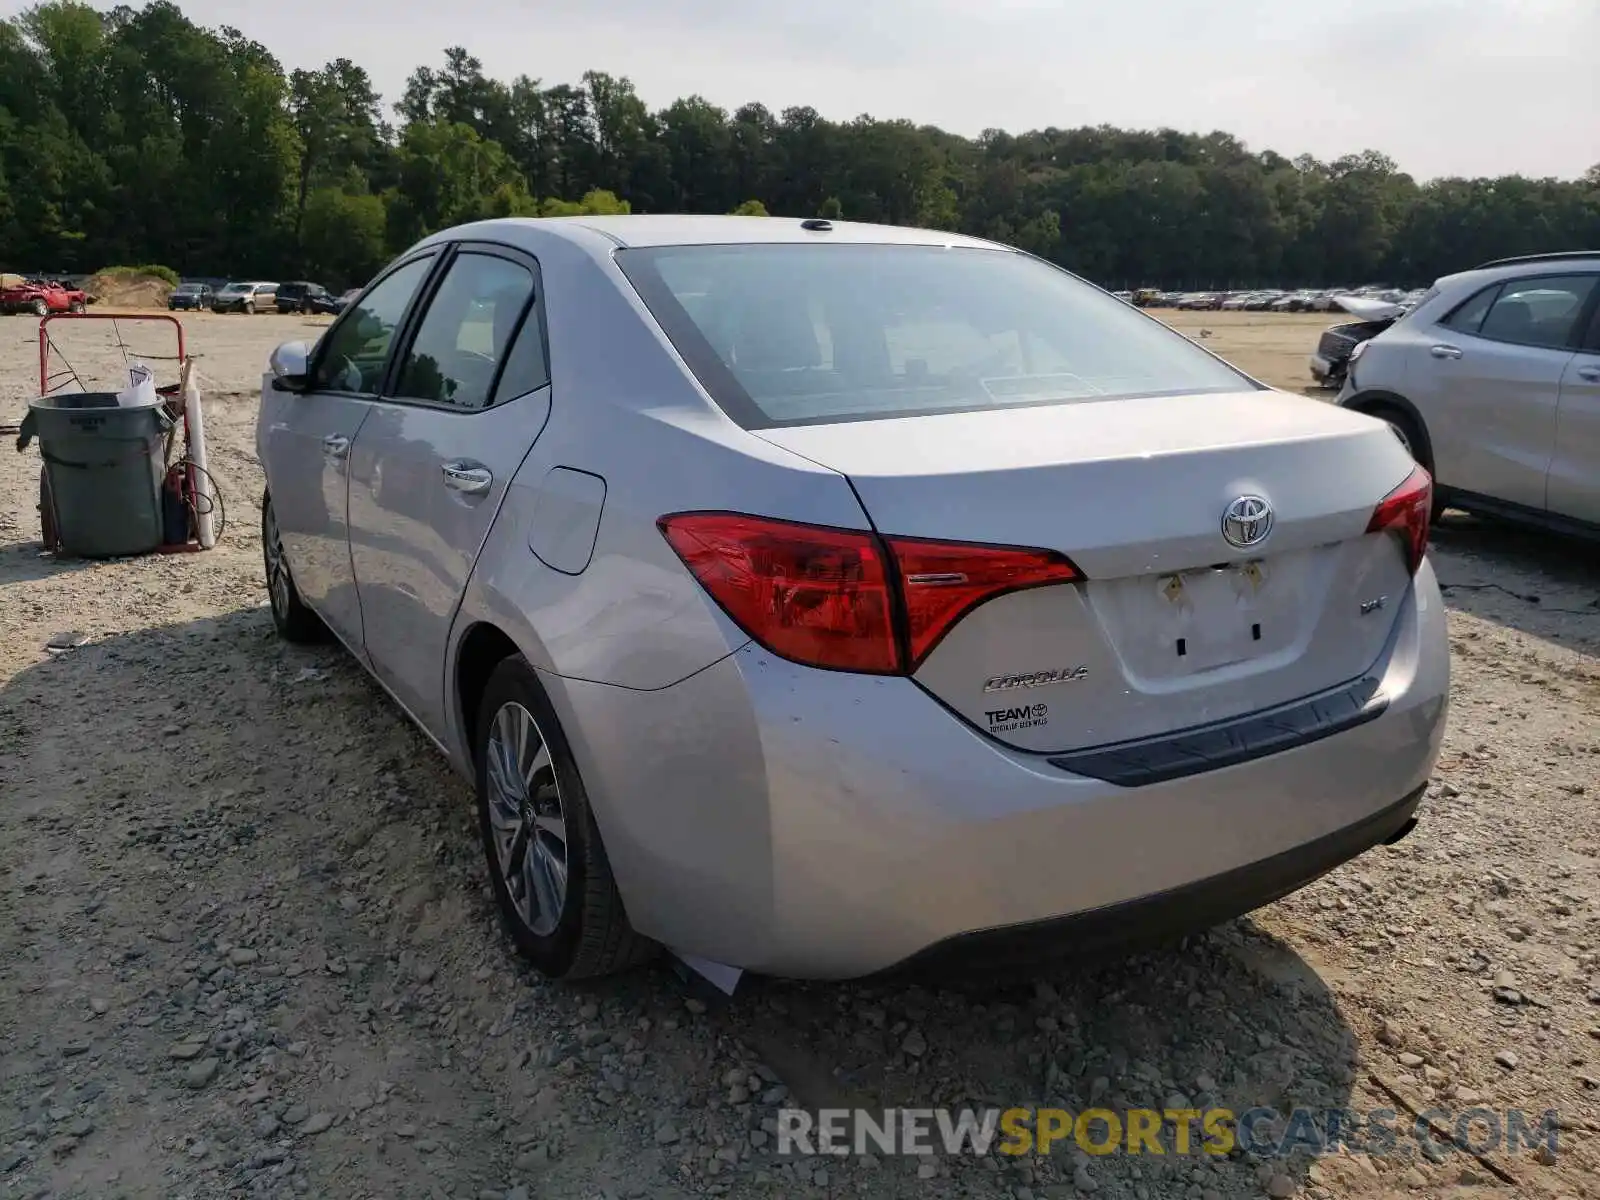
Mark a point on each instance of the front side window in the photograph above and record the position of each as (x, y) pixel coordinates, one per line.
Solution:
(353, 354)
(1526, 312)
(1539, 312)
(463, 337)
(803, 334)
(1468, 317)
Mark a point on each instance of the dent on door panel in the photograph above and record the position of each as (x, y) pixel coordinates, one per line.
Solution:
(566, 519)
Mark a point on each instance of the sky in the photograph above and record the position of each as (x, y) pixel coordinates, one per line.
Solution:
(1444, 87)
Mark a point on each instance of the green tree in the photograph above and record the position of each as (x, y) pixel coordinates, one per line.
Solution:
(135, 134)
(343, 236)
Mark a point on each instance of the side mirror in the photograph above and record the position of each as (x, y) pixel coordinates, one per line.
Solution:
(288, 365)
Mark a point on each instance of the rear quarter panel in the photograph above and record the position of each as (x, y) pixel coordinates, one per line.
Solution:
(625, 409)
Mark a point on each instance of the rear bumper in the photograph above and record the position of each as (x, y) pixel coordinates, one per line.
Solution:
(827, 825)
(1183, 909)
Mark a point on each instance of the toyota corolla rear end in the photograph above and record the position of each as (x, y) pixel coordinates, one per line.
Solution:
(1123, 643)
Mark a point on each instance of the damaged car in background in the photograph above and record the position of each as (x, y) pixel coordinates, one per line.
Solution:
(1334, 348)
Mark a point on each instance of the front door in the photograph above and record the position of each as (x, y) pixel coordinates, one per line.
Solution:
(466, 401)
(308, 438)
(1498, 377)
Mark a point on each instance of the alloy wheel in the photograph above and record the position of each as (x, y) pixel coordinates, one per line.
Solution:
(277, 567)
(527, 817)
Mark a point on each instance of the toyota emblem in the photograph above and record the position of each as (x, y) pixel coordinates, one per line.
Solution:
(1247, 521)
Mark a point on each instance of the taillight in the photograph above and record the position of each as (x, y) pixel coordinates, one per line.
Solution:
(819, 596)
(942, 582)
(1407, 511)
(845, 599)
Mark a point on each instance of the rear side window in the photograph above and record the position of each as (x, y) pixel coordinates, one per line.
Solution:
(803, 334)
(465, 334)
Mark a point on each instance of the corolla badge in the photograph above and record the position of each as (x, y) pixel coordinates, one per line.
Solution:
(1033, 679)
(1247, 521)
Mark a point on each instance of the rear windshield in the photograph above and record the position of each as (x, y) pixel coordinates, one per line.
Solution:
(806, 334)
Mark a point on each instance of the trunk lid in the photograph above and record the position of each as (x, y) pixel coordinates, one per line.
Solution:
(1173, 626)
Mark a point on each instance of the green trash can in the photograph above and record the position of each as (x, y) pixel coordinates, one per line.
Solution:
(104, 468)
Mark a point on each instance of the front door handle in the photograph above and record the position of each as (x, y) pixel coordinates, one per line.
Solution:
(336, 445)
(1592, 374)
(1445, 351)
(467, 477)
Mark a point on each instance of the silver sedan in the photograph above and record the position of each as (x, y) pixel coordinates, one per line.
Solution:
(818, 599)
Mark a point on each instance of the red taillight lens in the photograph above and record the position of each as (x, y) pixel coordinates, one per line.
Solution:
(827, 597)
(943, 581)
(818, 596)
(1407, 511)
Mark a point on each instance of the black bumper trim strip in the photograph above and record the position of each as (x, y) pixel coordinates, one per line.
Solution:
(1228, 743)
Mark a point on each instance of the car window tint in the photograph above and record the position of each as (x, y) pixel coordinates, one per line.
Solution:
(464, 335)
(1469, 316)
(358, 346)
(1538, 312)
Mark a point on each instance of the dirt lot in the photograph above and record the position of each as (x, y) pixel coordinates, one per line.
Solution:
(246, 946)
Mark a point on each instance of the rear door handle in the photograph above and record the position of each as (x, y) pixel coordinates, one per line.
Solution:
(336, 445)
(1592, 374)
(467, 477)
(1444, 351)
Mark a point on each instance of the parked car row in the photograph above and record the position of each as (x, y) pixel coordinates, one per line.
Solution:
(1274, 299)
(251, 296)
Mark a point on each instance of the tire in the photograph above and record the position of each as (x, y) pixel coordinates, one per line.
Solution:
(77, 306)
(248, 308)
(1414, 440)
(574, 928)
(295, 622)
(40, 308)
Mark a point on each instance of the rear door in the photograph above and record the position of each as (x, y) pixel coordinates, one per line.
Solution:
(1574, 489)
(469, 395)
(1492, 392)
(307, 439)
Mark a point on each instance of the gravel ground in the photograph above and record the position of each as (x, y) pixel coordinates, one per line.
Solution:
(247, 947)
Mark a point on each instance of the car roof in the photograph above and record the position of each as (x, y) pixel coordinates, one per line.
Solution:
(1562, 256)
(705, 230)
(1527, 266)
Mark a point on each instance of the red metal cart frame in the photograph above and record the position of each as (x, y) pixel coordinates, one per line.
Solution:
(45, 342)
(169, 392)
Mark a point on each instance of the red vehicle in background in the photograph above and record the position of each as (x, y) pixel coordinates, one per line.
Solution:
(41, 297)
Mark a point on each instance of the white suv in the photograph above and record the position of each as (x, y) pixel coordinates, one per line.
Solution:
(1493, 383)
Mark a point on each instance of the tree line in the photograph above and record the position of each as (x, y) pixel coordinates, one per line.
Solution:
(137, 135)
